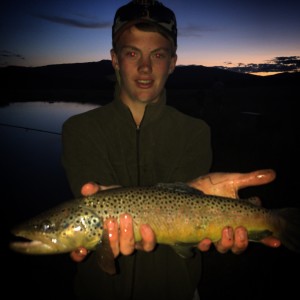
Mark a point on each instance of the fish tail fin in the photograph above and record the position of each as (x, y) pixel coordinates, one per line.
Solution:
(289, 228)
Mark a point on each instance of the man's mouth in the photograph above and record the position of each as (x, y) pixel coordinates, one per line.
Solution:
(144, 83)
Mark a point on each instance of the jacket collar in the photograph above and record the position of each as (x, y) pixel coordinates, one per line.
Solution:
(152, 113)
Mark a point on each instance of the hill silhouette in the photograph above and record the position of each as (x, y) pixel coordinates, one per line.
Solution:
(71, 81)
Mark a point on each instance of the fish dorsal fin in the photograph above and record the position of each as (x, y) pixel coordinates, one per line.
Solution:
(179, 187)
(254, 200)
(184, 250)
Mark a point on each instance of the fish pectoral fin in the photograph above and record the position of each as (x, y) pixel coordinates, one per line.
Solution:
(184, 250)
(105, 256)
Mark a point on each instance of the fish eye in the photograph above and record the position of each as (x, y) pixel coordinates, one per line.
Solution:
(45, 226)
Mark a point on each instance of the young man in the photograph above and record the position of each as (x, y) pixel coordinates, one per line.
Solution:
(138, 140)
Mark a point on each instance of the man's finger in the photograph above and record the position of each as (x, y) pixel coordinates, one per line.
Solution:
(89, 189)
(127, 242)
(204, 245)
(111, 225)
(228, 184)
(227, 240)
(108, 187)
(254, 178)
(148, 241)
(271, 242)
(240, 240)
(79, 254)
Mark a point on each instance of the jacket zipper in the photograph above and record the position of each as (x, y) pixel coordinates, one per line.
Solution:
(138, 155)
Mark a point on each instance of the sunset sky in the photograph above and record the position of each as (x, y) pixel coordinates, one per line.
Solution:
(211, 33)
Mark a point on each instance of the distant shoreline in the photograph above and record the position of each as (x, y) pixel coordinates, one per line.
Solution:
(77, 95)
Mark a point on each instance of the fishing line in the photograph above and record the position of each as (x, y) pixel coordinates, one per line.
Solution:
(29, 128)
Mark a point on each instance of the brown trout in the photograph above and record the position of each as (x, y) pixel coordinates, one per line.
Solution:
(179, 215)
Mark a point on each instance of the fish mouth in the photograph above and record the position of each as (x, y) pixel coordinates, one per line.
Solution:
(33, 246)
(27, 247)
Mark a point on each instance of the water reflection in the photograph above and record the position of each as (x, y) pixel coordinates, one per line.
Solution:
(47, 116)
(30, 158)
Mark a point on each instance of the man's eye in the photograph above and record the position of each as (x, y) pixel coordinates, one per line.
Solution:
(131, 54)
(159, 55)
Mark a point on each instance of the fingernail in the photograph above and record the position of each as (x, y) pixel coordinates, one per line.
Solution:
(145, 229)
(80, 251)
(242, 235)
(110, 227)
(205, 246)
(229, 233)
(127, 224)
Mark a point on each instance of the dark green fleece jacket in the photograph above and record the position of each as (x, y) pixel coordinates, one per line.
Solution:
(104, 145)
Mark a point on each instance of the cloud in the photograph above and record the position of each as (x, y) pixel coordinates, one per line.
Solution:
(287, 60)
(74, 22)
(276, 64)
(194, 31)
(6, 57)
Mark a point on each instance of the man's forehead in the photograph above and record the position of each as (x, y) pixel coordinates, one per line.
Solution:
(139, 38)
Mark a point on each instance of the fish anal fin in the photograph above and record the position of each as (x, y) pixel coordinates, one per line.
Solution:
(256, 236)
(184, 250)
(105, 256)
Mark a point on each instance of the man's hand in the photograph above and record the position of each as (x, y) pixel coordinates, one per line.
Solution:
(121, 238)
(121, 235)
(228, 185)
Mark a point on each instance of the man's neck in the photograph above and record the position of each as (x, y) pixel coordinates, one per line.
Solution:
(136, 107)
(137, 110)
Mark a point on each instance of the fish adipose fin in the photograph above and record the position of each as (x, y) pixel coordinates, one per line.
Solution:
(105, 256)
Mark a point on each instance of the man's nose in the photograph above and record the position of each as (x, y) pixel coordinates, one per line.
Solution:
(145, 65)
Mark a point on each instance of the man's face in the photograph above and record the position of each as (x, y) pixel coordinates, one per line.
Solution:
(144, 61)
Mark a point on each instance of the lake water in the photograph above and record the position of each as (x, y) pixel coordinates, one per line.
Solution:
(33, 180)
(30, 151)
(44, 116)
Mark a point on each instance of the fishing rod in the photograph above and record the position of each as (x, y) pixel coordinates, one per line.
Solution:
(30, 128)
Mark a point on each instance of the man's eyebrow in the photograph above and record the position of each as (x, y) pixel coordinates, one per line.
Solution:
(130, 47)
(162, 49)
(153, 51)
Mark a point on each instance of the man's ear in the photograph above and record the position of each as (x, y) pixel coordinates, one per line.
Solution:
(114, 60)
(173, 64)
